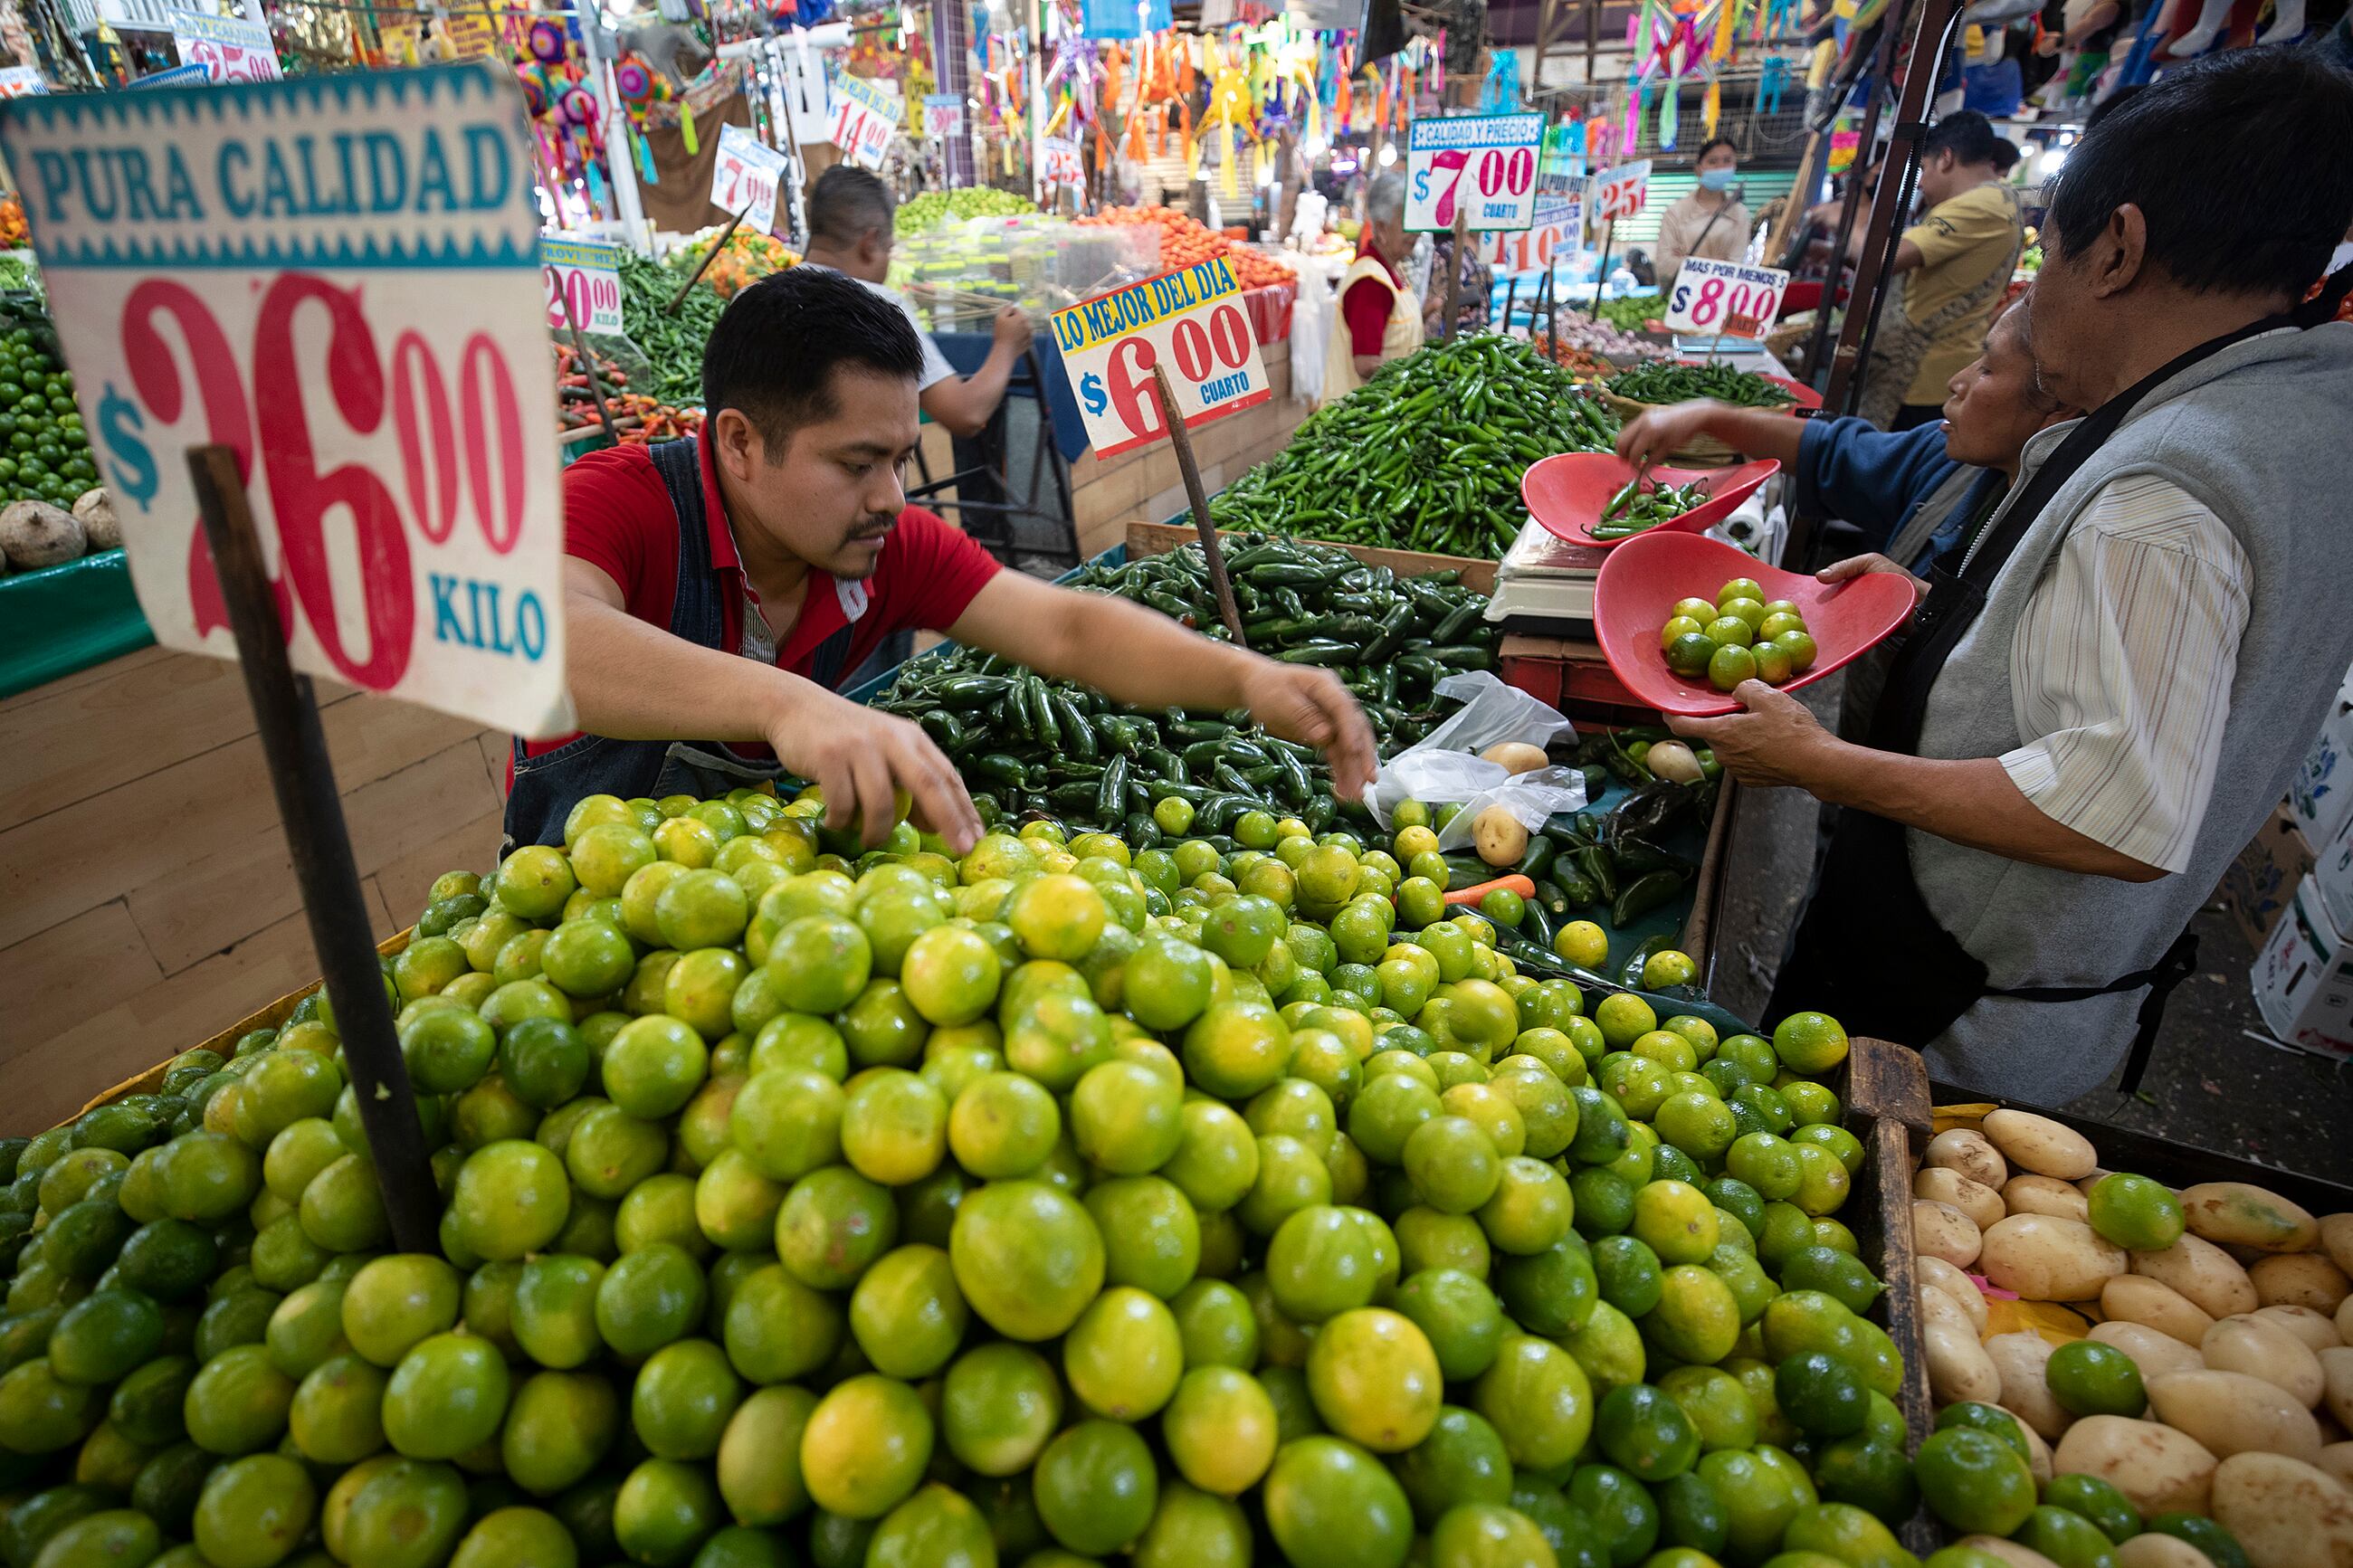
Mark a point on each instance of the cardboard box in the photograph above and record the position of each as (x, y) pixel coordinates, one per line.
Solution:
(2303, 978)
(2332, 870)
(2260, 882)
(2321, 794)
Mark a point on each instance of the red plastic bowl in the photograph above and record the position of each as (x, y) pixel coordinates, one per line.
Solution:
(1567, 493)
(1638, 585)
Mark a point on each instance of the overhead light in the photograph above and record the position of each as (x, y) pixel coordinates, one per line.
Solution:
(1388, 153)
(2054, 160)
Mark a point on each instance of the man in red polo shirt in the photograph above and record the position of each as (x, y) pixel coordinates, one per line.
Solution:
(723, 587)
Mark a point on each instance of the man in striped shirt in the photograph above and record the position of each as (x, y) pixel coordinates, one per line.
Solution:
(2107, 686)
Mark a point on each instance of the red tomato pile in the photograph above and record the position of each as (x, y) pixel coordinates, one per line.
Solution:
(1185, 242)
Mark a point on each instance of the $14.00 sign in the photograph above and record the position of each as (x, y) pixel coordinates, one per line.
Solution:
(584, 284)
(1481, 167)
(1192, 322)
(1724, 298)
(338, 279)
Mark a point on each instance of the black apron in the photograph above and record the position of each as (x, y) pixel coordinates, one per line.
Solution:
(548, 785)
(1868, 951)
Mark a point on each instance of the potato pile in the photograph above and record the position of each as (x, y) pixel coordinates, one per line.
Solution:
(2216, 1376)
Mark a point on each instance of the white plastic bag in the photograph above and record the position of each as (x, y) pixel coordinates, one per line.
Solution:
(1445, 766)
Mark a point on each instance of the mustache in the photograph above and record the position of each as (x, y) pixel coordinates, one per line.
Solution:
(876, 526)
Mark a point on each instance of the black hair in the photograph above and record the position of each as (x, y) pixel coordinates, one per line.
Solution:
(1966, 135)
(2006, 154)
(773, 352)
(2117, 98)
(847, 204)
(1711, 144)
(2227, 161)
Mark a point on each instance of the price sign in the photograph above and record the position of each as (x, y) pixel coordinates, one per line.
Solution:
(22, 81)
(471, 36)
(1190, 321)
(747, 173)
(866, 115)
(1558, 223)
(942, 116)
(586, 273)
(363, 328)
(1481, 166)
(1724, 298)
(1064, 165)
(1619, 192)
(229, 48)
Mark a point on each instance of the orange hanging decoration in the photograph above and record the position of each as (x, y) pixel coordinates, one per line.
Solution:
(1184, 133)
(1184, 73)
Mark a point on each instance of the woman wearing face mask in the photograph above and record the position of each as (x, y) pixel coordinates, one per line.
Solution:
(1708, 222)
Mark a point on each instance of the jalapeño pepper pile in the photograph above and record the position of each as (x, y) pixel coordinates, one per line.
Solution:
(1427, 455)
(1026, 744)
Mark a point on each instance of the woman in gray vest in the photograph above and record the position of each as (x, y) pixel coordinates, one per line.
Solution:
(2106, 687)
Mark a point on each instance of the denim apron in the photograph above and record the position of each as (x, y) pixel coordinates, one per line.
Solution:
(548, 785)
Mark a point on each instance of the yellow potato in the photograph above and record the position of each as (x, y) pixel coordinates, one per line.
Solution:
(1956, 1283)
(2020, 1359)
(2045, 1194)
(2154, 1354)
(2210, 1276)
(2160, 1469)
(2232, 1413)
(2336, 1240)
(2344, 1320)
(1516, 756)
(2240, 1213)
(1940, 1230)
(2045, 1258)
(2039, 1144)
(2286, 1513)
(1942, 1184)
(2263, 1349)
(2336, 1459)
(2299, 1279)
(1971, 1153)
(2151, 1549)
(2137, 1299)
(2038, 1454)
(2009, 1551)
(2315, 1329)
(1500, 838)
(1958, 1368)
(2337, 1378)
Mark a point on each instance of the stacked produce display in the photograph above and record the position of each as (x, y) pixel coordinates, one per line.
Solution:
(1185, 241)
(1427, 455)
(51, 510)
(744, 260)
(910, 1210)
(1027, 743)
(928, 209)
(2174, 1368)
(1678, 382)
(670, 339)
(638, 417)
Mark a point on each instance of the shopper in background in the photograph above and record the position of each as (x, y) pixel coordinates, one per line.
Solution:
(2108, 691)
(1380, 317)
(1950, 269)
(1709, 221)
(852, 230)
(720, 589)
(1463, 281)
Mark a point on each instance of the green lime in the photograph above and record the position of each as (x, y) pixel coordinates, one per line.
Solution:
(2089, 1378)
(1975, 1482)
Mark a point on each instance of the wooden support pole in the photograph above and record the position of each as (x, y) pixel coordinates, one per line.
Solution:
(304, 780)
(1180, 438)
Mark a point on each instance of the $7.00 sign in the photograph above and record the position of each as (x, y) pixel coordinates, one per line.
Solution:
(747, 173)
(1482, 165)
(336, 278)
(584, 284)
(1724, 298)
(1192, 322)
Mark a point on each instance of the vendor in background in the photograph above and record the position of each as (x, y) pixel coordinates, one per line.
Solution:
(852, 230)
(1911, 495)
(1472, 292)
(722, 588)
(1711, 221)
(1380, 320)
(1950, 269)
(2107, 690)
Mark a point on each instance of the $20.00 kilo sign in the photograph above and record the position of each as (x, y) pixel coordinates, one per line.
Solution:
(1192, 322)
(338, 278)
